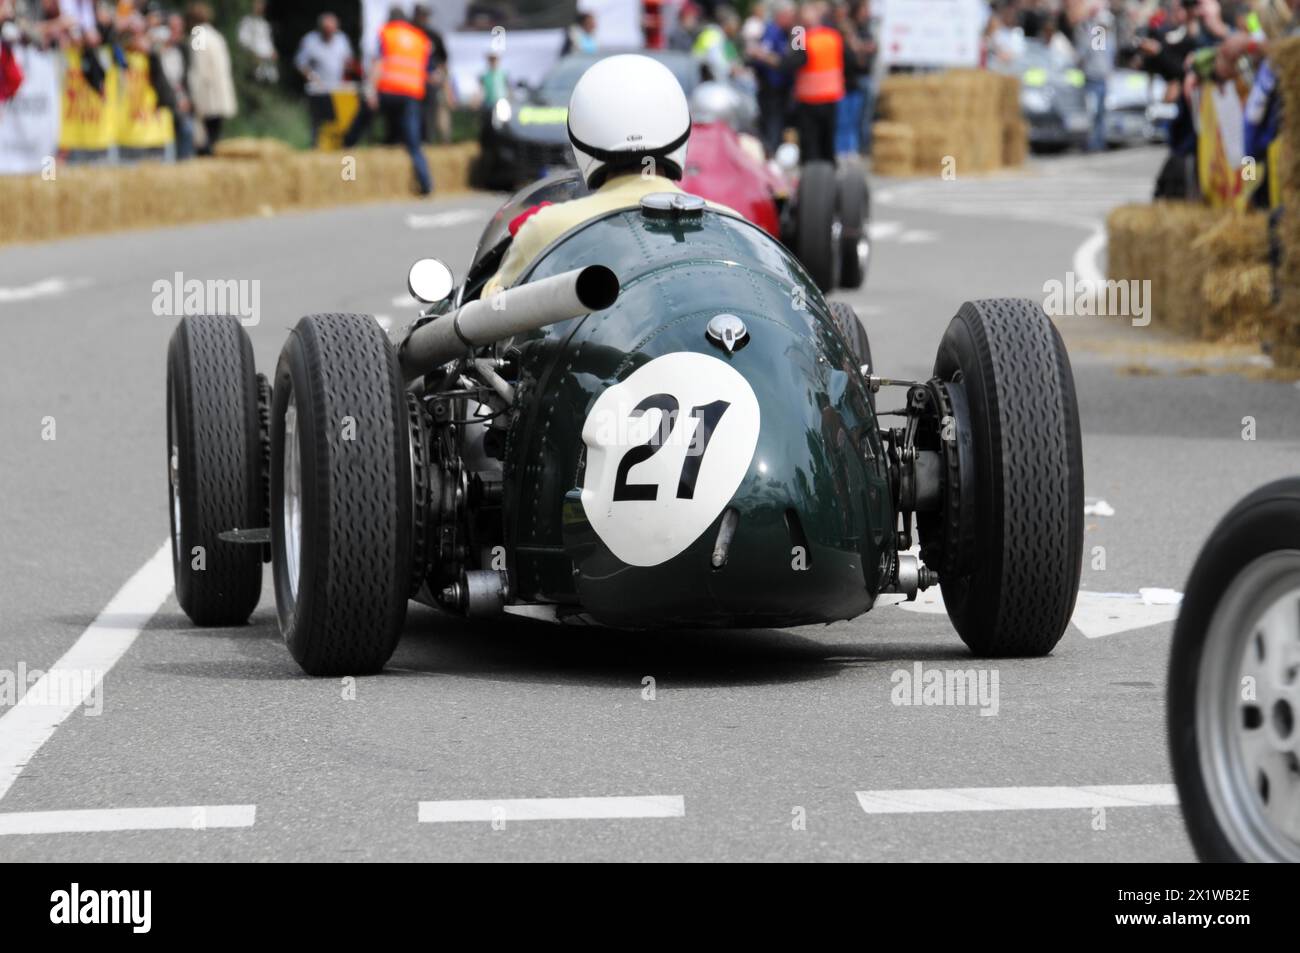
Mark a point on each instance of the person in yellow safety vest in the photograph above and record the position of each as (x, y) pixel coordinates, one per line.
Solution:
(715, 47)
(818, 85)
(396, 87)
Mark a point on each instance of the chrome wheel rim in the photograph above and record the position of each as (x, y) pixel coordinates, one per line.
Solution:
(292, 498)
(1247, 705)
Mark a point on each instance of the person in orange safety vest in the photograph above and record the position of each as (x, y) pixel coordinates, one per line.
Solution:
(818, 85)
(396, 86)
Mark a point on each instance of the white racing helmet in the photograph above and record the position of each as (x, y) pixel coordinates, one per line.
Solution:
(627, 109)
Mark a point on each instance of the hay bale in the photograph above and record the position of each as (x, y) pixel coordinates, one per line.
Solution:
(1015, 143)
(247, 147)
(893, 148)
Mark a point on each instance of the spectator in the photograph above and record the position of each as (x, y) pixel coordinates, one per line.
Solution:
(751, 31)
(1094, 42)
(172, 58)
(439, 100)
(396, 86)
(682, 35)
(494, 85)
(255, 36)
(1006, 36)
(859, 54)
(867, 78)
(211, 84)
(322, 58)
(774, 65)
(715, 46)
(818, 85)
(581, 36)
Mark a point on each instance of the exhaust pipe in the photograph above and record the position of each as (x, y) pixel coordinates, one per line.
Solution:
(527, 307)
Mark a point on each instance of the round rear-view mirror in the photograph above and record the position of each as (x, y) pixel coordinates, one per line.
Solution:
(430, 281)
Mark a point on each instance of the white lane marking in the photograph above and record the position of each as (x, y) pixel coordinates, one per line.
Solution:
(943, 800)
(31, 722)
(46, 288)
(1096, 614)
(442, 219)
(552, 809)
(197, 817)
(916, 236)
(1098, 508)
(1085, 258)
(879, 231)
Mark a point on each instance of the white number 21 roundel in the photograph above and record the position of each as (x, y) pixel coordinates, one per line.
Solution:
(666, 450)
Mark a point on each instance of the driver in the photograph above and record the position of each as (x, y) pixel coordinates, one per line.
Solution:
(628, 125)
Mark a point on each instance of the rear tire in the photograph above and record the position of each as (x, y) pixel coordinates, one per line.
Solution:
(855, 336)
(1251, 557)
(342, 559)
(855, 211)
(817, 243)
(1018, 587)
(215, 466)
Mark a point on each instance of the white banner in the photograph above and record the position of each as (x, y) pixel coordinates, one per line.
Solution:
(29, 123)
(932, 32)
(526, 55)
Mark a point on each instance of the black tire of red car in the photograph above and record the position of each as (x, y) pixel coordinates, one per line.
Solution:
(340, 375)
(854, 205)
(855, 337)
(1264, 523)
(1021, 577)
(214, 464)
(816, 212)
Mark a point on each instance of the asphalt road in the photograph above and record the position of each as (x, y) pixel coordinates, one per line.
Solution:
(755, 744)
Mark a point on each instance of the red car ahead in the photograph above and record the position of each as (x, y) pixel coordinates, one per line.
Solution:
(818, 212)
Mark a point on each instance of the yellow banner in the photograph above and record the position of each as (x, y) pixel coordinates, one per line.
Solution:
(1223, 185)
(88, 116)
(140, 123)
(125, 114)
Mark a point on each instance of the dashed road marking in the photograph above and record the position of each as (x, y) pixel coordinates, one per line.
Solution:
(63, 688)
(198, 817)
(45, 288)
(457, 216)
(946, 800)
(552, 809)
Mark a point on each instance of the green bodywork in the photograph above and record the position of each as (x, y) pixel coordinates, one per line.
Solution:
(818, 478)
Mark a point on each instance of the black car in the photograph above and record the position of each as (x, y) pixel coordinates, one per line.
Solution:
(524, 138)
(1051, 98)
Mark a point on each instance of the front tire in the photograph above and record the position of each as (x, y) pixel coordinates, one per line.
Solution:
(1012, 591)
(1234, 743)
(340, 495)
(214, 469)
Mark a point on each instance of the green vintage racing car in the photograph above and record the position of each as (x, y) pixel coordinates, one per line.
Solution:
(662, 424)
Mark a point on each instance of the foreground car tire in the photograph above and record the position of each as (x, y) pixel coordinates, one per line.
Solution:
(340, 495)
(854, 213)
(817, 227)
(1234, 743)
(214, 469)
(855, 336)
(1017, 582)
